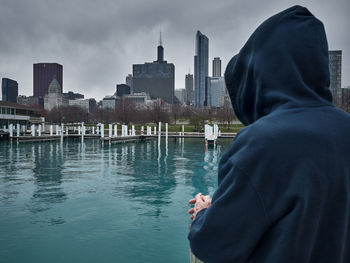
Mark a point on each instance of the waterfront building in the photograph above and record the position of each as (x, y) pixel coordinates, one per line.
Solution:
(43, 74)
(181, 95)
(87, 104)
(156, 79)
(189, 88)
(122, 89)
(54, 97)
(215, 87)
(200, 69)
(335, 64)
(225, 98)
(70, 95)
(13, 113)
(216, 67)
(9, 90)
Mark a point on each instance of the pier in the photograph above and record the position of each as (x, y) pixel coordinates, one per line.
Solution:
(115, 133)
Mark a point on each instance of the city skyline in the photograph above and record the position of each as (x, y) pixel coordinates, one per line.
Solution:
(97, 50)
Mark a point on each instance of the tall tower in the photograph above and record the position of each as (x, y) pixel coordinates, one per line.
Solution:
(200, 69)
(217, 67)
(43, 74)
(335, 61)
(160, 55)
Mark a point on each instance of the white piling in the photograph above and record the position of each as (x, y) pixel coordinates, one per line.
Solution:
(24, 128)
(155, 130)
(93, 129)
(115, 130)
(102, 130)
(11, 130)
(166, 132)
(110, 126)
(142, 130)
(67, 130)
(51, 130)
(39, 130)
(79, 130)
(133, 130)
(83, 129)
(33, 130)
(62, 129)
(18, 129)
(57, 130)
(183, 130)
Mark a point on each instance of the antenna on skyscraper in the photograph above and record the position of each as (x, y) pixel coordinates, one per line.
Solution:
(160, 39)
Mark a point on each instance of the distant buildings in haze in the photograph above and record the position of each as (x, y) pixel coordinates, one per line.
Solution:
(216, 67)
(9, 90)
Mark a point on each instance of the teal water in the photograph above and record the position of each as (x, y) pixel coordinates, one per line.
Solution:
(80, 202)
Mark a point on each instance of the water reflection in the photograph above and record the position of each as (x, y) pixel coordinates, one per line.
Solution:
(47, 173)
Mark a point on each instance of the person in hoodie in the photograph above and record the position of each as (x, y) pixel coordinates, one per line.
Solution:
(284, 184)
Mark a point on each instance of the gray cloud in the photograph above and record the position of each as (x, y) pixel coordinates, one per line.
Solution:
(98, 41)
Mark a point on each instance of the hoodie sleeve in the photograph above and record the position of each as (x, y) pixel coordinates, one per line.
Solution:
(230, 229)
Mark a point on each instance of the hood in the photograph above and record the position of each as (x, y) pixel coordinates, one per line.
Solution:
(284, 62)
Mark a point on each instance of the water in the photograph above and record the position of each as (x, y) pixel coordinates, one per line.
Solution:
(81, 202)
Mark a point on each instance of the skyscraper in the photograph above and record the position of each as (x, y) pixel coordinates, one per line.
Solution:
(189, 88)
(156, 79)
(9, 90)
(200, 69)
(335, 61)
(43, 74)
(217, 67)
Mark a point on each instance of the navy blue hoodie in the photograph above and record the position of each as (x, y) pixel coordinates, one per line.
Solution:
(284, 184)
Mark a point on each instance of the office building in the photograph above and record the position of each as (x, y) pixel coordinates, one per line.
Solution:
(215, 87)
(122, 89)
(110, 102)
(9, 90)
(31, 101)
(43, 73)
(189, 88)
(217, 67)
(70, 95)
(87, 104)
(335, 64)
(139, 99)
(156, 79)
(200, 69)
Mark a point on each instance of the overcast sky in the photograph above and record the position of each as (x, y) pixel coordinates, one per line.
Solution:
(97, 41)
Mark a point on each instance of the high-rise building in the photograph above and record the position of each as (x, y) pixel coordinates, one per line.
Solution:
(128, 81)
(215, 87)
(200, 69)
(189, 88)
(335, 62)
(9, 90)
(70, 95)
(43, 74)
(216, 67)
(156, 79)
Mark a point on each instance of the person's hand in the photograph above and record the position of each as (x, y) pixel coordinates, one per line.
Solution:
(200, 202)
